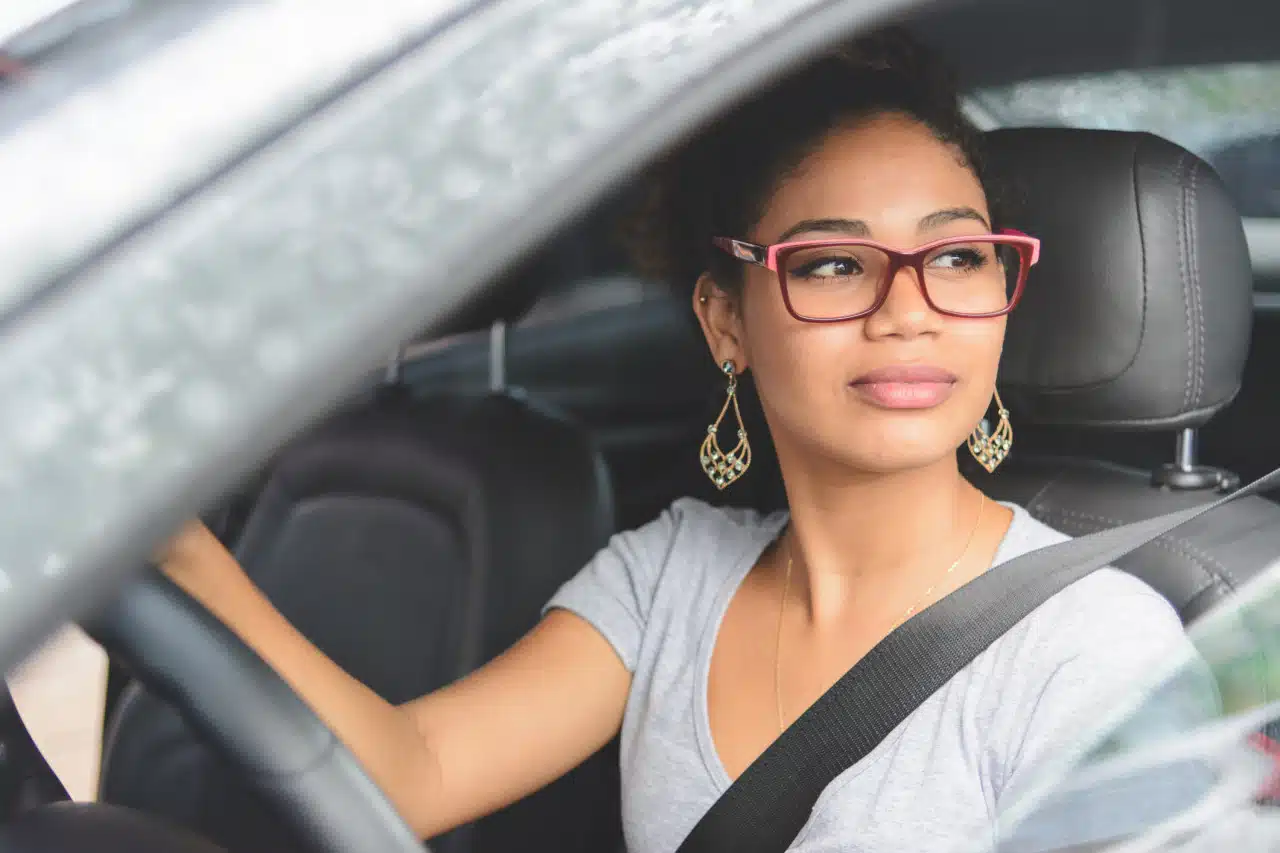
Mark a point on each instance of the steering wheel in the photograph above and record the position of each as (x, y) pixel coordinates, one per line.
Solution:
(241, 707)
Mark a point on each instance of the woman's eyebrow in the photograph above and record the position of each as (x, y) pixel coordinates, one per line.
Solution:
(951, 214)
(847, 227)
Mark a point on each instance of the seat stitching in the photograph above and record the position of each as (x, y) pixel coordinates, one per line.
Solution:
(1194, 260)
(1042, 491)
(1173, 541)
(1208, 564)
(1183, 280)
(1211, 579)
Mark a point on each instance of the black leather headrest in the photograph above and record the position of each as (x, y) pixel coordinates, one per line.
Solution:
(1138, 314)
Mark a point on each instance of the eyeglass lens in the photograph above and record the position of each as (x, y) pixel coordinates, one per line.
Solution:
(971, 277)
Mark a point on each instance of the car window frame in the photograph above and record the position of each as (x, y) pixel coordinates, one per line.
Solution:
(199, 340)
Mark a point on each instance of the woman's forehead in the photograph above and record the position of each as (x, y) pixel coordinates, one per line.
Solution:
(891, 173)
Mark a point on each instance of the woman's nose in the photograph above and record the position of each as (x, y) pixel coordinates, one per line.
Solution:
(905, 312)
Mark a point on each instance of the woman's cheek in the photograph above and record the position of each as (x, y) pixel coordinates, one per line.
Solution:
(977, 344)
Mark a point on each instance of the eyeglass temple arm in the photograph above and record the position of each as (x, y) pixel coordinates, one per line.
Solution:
(1035, 242)
(744, 251)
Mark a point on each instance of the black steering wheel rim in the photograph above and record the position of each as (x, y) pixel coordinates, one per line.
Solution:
(239, 706)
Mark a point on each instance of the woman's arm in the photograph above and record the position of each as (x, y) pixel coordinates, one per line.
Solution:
(501, 733)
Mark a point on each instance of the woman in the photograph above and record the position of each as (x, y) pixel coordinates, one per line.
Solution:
(705, 633)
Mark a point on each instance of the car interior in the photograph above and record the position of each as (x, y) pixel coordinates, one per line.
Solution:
(418, 532)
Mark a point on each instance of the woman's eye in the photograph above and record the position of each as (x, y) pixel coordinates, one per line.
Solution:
(960, 259)
(841, 267)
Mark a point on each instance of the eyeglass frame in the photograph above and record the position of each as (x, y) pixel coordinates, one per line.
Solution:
(1028, 248)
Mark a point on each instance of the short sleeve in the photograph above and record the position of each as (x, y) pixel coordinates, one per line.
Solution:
(614, 592)
(1111, 639)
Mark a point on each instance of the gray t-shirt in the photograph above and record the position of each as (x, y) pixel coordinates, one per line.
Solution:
(658, 595)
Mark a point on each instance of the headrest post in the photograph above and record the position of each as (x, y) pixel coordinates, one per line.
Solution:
(498, 356)
(1186, 450)
(1184, 475)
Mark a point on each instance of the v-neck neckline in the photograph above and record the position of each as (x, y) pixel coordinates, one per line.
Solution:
(762, 538)
(765, 535)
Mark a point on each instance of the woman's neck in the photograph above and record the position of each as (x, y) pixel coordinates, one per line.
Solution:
(866, 543)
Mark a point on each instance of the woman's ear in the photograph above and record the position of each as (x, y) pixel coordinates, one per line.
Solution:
(721, 321)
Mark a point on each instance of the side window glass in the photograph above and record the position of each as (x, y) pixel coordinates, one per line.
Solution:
(1227, 114)
(1251, 169)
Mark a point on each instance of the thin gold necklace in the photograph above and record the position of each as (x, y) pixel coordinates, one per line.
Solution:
(777, 645)
(982, 504)
(786, 586)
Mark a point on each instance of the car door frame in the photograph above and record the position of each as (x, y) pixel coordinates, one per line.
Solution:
(150, 374)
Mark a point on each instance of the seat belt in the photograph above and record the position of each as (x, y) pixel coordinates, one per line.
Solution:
(764, 810)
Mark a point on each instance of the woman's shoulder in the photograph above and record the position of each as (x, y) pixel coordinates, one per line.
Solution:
(689, 548)
(694, 514)
(720, 515)
(1107, 590)
(1109, 620)
(689, 531)
(703, 540)
(1089, 652)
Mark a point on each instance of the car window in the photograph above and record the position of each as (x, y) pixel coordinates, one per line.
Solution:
(1227, 114)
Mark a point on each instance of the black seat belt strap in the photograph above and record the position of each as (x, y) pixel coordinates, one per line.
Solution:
(764, 810)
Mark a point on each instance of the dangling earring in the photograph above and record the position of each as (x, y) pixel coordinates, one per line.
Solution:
(990, 450)
(723, 468)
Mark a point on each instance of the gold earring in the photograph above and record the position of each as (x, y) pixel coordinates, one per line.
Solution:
(723, 468)
(991, 449)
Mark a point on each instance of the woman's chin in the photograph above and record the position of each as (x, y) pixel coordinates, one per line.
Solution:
(908, 444)
(898, 463)
(875, 442)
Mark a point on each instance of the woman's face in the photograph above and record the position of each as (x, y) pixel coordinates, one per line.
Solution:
(839, 388)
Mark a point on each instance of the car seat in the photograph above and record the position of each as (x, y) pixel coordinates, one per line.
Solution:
(1135, 323)
(411, 540)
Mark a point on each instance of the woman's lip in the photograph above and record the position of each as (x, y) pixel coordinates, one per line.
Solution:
(905, 386)
(904, 395)
(906, 373)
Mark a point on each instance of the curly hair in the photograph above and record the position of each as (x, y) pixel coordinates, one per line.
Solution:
(721, 182)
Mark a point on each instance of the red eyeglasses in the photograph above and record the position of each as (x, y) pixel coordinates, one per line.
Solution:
(830, 281)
